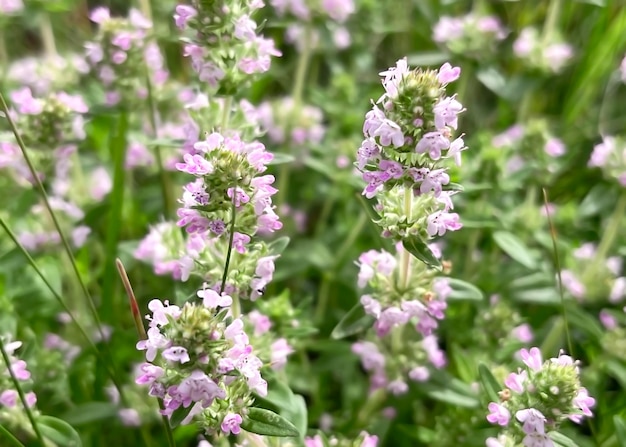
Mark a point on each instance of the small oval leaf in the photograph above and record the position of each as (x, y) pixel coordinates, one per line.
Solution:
(267, 423)
(281, 158)
(515, 248)
(179, 415)
(489, 383)
(355, 321)
(59, 431)
(418, 248)
(462, 290)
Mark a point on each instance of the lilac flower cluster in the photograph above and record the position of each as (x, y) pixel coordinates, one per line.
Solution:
(9, 397)
(277, 118)
(306, 10)
(469, 35)
(390, 365)
(51, 121)
(46, 74)
(121, 55)
(537, 399)
(10, 7)
(610, 156)
(200, 363)
(363, 440)
(549, 56)
(224, 47)
(531, 144)
(407, 143)
(607, 282)
(227, 174)
(420, 300)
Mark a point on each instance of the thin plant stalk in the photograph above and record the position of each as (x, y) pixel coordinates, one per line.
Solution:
(235, 308)
(65, 307)
(141, 332)
(20, 392)
(166, 183)
(47, 35)
(557, 266)
(13, 441)
(296, 95)
(42, 192)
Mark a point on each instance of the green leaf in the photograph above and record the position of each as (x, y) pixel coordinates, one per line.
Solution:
(418, 248)
(546, 295)
(515, 248)
(281, 158)
(369, 208)
(355, 321)
(561, 439)
(90, 412)
(620, 429)
(278, 246)
(489, 383)
(266, 422)
(428, 58)
(179, 415)
(462, 290)
(58, 431)
(453, 398)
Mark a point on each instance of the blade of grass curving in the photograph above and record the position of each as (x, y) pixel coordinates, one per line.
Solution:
(141, 333)
(557, 266)
(12, 440)
(65, 307)
(42, 192)
(20, 392)
(117, 149)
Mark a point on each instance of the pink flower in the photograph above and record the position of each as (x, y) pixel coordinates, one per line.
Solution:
(498, 414)
(231, 423)
(532, 358)
(533, 420)
(448, 73)
(183, 14)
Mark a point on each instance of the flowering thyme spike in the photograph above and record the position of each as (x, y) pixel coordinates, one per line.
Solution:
(141, 331)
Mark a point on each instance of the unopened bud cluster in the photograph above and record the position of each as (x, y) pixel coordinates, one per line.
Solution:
(408, 142)
(538, 398)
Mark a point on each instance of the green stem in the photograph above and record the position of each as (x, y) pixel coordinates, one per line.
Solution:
(146, 9)
(296, 95)
(405, 256)
(20, 392)
(47, 35)
(235, 308)
(551, 20)
(557, 266)
(4, 58)
(166, 182)
(44, 196)
(13, 441)
(228, 103)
